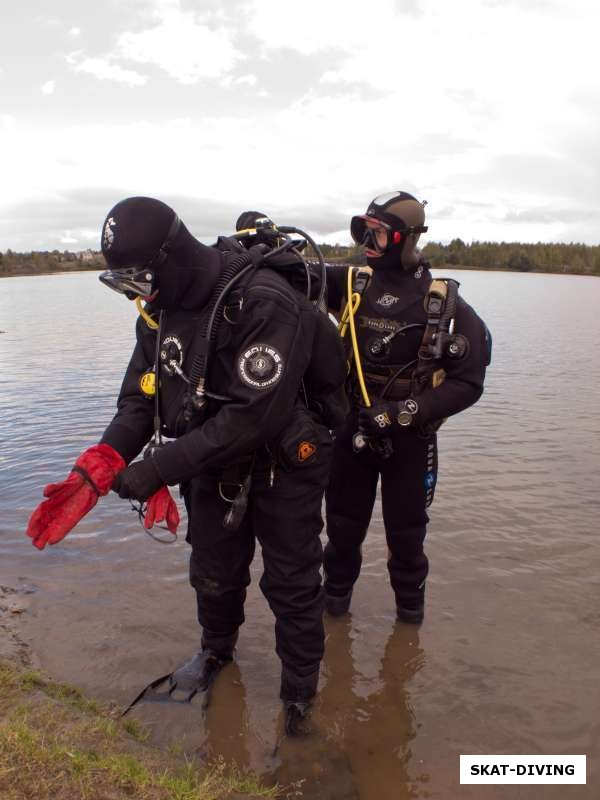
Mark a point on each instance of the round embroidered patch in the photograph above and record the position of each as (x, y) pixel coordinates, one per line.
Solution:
(260, 366)
(171, 354)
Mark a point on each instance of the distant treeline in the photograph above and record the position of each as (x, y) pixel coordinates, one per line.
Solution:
(579, 259)
(43, 262)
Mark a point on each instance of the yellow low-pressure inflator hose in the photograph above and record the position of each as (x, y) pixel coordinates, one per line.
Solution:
(347, 321)
(151, 323)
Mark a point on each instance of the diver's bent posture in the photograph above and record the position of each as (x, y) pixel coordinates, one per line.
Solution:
(237, 368)
(417, 371)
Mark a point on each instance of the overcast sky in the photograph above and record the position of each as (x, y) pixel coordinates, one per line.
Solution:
(488, 109)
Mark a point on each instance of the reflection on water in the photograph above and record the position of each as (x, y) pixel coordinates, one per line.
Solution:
(507, 659)
(366, 727)
(362, 727)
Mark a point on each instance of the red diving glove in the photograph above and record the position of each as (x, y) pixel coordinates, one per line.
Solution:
(69, 501)
(162, 508)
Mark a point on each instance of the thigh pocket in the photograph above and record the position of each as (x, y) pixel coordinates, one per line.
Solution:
(306, 443)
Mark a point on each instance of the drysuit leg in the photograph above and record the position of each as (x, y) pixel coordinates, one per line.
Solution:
(349, 504)
(407, 484)
(219, 567)
(287, 521)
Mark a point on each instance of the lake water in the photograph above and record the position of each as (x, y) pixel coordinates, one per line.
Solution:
(508, 658)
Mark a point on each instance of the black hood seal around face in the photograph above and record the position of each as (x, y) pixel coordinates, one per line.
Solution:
(186, 278)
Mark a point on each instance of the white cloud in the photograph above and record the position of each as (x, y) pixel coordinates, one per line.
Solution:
(105, 69)
(321, 25)
(184, 47)
(7, 122)
(68, 238)
(240, 80)
(88, 234)
(75, 32)
(48, 87)
(50, 22)
(80, 236)
(247, 80)
(485, 107)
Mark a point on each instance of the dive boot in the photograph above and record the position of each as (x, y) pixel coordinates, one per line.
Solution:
(337, 605)
(412, 615)
(197, 675)
(296, 718)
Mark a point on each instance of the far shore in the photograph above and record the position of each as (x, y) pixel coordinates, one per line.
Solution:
(553, 258)
(28, 273)
(31, 273)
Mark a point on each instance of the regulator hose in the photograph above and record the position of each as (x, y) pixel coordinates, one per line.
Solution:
(209, 325)
(321, 301)
(347, 321)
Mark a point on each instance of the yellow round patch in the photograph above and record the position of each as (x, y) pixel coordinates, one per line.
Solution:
(148, 384)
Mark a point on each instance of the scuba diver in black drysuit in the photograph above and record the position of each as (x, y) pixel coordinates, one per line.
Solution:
(246, 377)
(422, 354)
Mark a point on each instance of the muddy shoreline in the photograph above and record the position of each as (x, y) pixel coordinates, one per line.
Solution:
(15, 601)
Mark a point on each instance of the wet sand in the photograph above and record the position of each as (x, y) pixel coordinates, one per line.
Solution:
(15, 600)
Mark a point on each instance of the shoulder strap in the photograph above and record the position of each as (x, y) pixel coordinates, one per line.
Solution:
(440, 307)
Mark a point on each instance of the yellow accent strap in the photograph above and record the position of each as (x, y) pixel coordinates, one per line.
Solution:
(346, 321)
(151, 323)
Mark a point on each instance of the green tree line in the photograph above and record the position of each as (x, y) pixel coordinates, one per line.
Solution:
(579, 259)
(43, 262)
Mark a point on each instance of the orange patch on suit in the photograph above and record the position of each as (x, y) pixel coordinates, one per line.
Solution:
(306, 450)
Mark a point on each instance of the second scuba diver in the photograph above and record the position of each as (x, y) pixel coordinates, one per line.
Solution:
(420, 356)
(244, 375)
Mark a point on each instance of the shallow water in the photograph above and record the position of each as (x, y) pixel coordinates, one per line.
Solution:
(507, 660)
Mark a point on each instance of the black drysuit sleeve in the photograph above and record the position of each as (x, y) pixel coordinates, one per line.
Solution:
(132, 425)
(256, 413)
(463, 384)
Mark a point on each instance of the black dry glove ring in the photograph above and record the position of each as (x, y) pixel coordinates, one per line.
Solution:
(86, 477)
(138, 481)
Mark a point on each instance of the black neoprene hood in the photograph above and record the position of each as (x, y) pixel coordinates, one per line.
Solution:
(135, 230)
